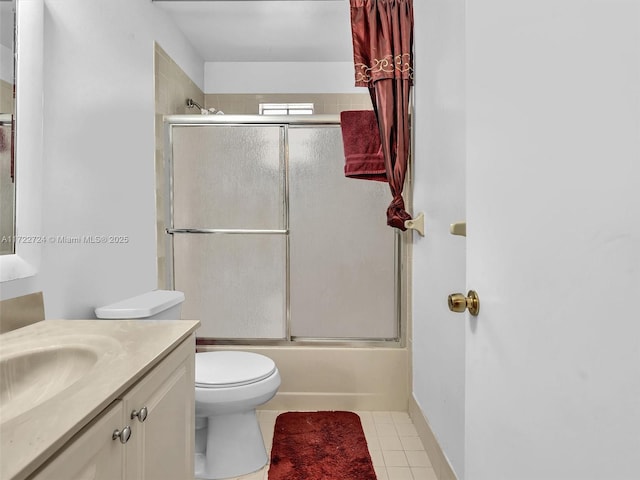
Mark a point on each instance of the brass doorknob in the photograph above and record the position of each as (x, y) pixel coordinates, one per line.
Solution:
(459, 303)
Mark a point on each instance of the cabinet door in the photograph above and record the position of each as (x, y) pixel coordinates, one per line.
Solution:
(161, 446)
(93, 454)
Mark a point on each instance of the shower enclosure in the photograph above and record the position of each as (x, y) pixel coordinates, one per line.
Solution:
(268, 240)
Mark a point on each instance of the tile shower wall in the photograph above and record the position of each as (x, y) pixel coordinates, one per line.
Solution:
(6, 97)
(7, 186)
(172, 88)
(324, 103)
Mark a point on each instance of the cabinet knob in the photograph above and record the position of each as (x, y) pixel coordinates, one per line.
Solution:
(141, 414)
(124, 435)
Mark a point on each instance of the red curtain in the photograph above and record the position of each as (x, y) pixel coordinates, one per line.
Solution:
(382, 32)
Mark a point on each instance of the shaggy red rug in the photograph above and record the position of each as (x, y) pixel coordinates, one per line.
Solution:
(320, 446)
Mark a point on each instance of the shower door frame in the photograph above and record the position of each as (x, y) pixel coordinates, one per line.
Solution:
(401, 245)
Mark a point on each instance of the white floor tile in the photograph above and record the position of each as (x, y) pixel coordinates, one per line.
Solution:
(373, 443)
(417, 458)
(381, 472)
(369, 429)
(382, 417)
(376, 458)
(394, 459)
(391, 442)
(365, 416)
(399, 473)
(406, 430)
(386, 429)
(423, 473)
(411, 443)
(268, 416)
(401, 418)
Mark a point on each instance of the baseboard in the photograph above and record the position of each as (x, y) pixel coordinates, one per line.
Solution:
(441, 465)
(313, 401)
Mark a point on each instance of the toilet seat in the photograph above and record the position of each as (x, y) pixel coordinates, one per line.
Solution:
(231, 369)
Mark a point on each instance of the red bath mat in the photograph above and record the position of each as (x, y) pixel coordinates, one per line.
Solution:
(320, 446)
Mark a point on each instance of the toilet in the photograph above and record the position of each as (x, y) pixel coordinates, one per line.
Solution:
(229, 386)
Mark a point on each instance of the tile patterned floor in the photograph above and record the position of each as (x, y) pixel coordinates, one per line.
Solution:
(396, 450)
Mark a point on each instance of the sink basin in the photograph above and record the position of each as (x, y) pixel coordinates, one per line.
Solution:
(34, 375)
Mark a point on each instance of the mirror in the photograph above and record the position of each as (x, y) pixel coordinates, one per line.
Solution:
(7, 126)
(23, 264)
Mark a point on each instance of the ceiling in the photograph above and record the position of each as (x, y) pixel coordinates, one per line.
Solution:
(265, 30)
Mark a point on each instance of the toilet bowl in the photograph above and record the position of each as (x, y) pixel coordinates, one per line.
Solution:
(229, 385)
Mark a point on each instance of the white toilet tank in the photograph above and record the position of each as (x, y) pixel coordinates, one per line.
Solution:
(154, 305)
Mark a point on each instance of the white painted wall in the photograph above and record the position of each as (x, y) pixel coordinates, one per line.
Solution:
(552, 365)
(439, 258)
(280, 77)
(99, 146)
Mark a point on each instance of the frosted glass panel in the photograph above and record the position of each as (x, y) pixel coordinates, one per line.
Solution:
(228, 177)
(342, 252)
(234, 284)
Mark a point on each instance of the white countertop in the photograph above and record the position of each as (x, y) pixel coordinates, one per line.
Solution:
(128, 349)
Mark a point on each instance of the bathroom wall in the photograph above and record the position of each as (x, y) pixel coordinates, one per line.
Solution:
(438, 341)
(99, 144)
(280, 77)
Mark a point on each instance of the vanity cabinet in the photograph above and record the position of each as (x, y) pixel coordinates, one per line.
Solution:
(159, 412)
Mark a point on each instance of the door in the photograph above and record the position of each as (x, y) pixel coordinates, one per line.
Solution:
(553, 240)
(93, 455)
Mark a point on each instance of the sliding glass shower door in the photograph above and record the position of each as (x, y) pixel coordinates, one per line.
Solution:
(230, 245)
(342, 252)
(270, 242)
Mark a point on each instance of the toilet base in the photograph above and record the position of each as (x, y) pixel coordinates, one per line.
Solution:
(234, 447)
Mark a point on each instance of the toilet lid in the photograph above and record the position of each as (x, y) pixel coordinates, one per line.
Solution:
(230, 368)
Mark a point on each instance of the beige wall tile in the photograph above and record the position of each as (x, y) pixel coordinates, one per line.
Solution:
(173, 87)
(21, 311)
(6, 97)
(7, 186)
(324, 103)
